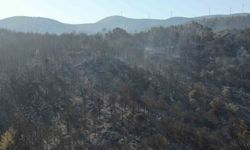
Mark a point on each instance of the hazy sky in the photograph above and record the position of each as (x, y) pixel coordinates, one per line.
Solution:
(84, 11)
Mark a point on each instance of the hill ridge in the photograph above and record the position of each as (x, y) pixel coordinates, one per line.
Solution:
(44, 25)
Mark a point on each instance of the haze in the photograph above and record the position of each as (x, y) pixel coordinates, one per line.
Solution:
(86, 11)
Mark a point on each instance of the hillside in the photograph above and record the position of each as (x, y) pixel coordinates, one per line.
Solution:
(44, 25)
(35, 24)
(182, 87)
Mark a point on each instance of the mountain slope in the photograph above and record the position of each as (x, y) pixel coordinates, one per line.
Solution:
(132, 25)
(35, 24)
(43, 25)
(183, 87)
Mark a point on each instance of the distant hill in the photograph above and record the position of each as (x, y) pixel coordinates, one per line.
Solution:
(35, 24)
(131, 25)
(43, 25)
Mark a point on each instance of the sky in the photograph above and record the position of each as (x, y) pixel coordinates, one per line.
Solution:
(90, 11)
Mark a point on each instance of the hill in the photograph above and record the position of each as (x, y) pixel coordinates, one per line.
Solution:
(43, 25)
(182, 87)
